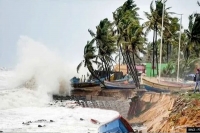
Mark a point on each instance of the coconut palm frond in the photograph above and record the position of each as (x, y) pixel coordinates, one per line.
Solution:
(79, 65)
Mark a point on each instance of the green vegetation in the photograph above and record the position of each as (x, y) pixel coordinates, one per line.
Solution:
(126, 34)
(191, 96)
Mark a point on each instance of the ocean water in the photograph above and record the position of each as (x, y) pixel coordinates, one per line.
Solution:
(26, 95)
(23, 109)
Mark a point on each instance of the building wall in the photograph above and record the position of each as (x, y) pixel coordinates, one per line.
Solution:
(149, 69)
(123, 68)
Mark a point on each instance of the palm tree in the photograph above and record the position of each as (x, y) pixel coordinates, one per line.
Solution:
(193, 35)
(119, 58)
(89, 58)
(105, 42)
(128, 31)
(155, 23)
(170, 37)
(136, 38)
(149, 50)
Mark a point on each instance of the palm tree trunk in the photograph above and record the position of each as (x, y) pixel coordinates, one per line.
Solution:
(170, 51)
(153, 50)
(107, 69)
(119, 60)
(131, 68)
(124, 58)
(128, 63)
(91, 70)
(167, 52)
(156, 46)
(133, 65)
(135, 69)
(104, 65)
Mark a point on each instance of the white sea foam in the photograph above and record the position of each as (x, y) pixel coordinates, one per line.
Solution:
(40, 73)
(44, 66)
(22, 101)
(18, 105)
(66, 120)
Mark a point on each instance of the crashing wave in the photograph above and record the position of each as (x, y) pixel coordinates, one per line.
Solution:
(64, 88)
(41, 69)
(31, 84)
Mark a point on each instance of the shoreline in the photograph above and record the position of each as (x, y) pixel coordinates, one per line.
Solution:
(149, 110)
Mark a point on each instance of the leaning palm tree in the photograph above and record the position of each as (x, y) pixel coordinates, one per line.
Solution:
(105, 42)
(126, 20)
(136, 39)
(89, 58)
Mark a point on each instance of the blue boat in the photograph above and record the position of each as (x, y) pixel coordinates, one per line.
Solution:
(117, 125)
(96, 81)
(155, 89)
(75, 83)
(74, 80)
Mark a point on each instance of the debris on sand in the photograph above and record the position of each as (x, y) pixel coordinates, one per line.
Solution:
(41, 126)
(185, 113)
(38, 121)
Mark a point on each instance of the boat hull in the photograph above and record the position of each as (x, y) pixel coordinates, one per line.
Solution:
(118, 125)
(118, 85)
(154, 89)
(82, 85)
(151, 84)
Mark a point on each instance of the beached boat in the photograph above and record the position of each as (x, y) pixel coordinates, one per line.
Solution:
(152, 84)
(126, 78)
(117, 125)
(75, 83)
(96, 81)
(119, 85)
(84, 84)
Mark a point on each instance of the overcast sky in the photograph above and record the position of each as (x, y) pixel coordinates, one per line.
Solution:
(62, 24)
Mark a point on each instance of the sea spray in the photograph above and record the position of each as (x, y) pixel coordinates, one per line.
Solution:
(44, 67)
(39, 74)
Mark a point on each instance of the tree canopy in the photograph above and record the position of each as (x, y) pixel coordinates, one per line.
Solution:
(127, 34)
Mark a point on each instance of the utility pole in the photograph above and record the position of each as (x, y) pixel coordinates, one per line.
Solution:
(163, 13)
(179, 45)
